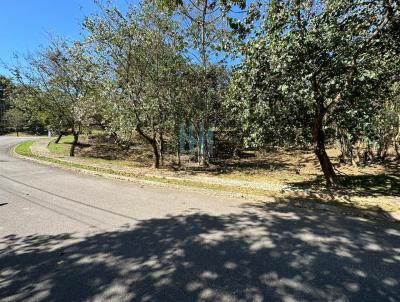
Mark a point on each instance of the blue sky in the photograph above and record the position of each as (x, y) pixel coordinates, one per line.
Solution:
(25, 24)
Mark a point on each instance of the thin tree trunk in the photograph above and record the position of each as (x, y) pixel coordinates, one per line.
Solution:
(161, 149)
(153, 143)
(178, 156)
(396, 141)
(59, 138)
(205, 140)
(203, 148)
(74, 143)
(319, 147)
(383, 153)
(370, 152)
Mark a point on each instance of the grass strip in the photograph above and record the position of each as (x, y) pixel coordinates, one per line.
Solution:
(24, 149)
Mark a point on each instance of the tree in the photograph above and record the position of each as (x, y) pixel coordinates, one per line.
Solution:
(141, 79)
(202, 28)
(308, 59)
(6, 89)
(60, 85)
(15, 119)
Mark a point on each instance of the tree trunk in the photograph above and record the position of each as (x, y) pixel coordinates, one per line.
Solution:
(319, 147)
(383, 149)
(383, 154)
(396, 141)
(59, 138)
(346, 148)
(326, 166)
(206, 157)
(156, 154)
(161, 149)
(178, 157)
(74, 143)
(370, 151)
(203, 146)
(153, 142)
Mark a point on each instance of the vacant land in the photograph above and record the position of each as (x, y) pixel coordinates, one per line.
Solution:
(294, 174)
(67, 236)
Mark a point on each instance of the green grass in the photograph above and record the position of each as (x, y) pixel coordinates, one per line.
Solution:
(25, 148)
(63, 146)
(68, 139)
(375, 204)
(115, 162)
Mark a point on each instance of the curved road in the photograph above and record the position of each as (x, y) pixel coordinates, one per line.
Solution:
(71, 237)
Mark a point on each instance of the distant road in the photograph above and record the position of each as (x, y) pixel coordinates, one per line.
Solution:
(71, 237)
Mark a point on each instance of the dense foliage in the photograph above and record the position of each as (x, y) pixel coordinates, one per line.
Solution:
(301, 74)
(6, 89)
(318, 68)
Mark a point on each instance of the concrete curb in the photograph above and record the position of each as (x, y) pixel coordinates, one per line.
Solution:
(255, 199)
(137, 180)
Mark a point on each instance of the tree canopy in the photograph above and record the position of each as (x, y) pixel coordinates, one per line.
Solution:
(312, 67)
(261, 74)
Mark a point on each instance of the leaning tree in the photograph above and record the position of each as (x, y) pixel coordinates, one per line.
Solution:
(307, 60)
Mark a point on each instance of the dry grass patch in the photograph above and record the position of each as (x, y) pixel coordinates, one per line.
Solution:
(376, 186)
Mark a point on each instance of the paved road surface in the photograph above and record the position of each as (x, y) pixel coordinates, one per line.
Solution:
(71, 237)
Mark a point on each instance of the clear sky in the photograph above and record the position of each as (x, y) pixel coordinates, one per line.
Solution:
(25, 24)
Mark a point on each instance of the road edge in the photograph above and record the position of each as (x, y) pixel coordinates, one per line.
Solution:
(249, 198)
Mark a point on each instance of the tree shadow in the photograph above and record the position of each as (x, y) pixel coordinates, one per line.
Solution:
(380, 184)
(221, 167)
(365, 185)
(265, 253)
(138, 155)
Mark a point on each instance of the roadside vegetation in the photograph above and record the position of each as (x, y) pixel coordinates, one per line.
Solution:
(303, 94)
(261, 176)
(25, 148)
(62, 146)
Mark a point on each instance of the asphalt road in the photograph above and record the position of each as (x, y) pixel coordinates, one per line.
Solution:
(71, 237)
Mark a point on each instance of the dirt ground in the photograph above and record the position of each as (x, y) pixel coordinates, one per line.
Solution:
(298, 168)
(285, 174)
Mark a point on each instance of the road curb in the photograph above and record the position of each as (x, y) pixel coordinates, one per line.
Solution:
(255, 199)
(132, 179)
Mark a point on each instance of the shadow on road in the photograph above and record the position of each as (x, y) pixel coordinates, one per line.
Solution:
(268, 253)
